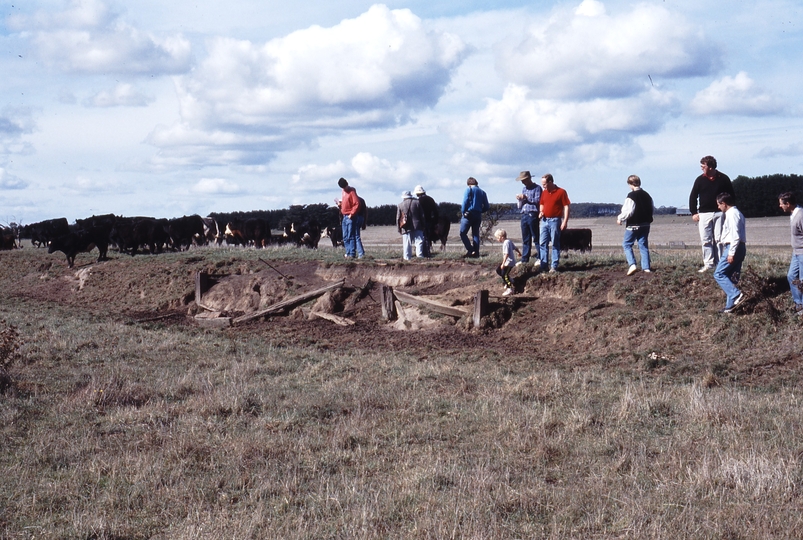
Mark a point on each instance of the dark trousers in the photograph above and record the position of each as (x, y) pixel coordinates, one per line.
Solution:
(529, 234)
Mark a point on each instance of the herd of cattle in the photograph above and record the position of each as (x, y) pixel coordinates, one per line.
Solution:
(133, 234)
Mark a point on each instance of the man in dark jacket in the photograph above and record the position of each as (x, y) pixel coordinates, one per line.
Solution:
(411, 224)
(707, 215)
(430, 209)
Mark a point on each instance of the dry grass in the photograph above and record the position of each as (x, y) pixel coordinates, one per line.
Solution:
(116, 431)
(124, 432)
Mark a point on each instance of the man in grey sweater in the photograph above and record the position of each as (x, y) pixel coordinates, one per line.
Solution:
(789, 205)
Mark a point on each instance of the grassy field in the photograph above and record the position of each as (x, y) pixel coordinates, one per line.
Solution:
(112, 430)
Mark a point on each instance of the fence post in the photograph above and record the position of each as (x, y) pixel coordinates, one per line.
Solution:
(480, 307)
(388, 307)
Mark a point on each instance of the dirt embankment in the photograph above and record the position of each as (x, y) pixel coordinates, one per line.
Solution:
(592, 314)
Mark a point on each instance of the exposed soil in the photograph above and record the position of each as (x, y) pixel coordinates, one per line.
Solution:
(591, 314)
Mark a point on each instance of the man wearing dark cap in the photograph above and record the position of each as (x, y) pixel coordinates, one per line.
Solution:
(350, 209)
(528, 201)
(475, 202)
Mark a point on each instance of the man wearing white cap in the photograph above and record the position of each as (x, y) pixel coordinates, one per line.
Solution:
(410, 223)
(430, 209)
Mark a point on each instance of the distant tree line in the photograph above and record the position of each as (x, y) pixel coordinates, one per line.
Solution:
(325, 215)
(590, 210)
(385, 214)
(758, 196)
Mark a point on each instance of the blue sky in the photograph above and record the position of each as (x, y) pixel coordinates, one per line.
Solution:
(173, 108)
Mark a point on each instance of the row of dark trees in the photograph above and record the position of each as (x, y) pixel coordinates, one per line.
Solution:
(385, 214)
(758, 196)
(325, 215)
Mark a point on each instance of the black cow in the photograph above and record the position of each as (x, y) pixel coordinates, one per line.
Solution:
(122, 234)
(99, 230)
(185, 230)
(442, 231)
(575, 239)
(212, 232)
(335, 234)
(73, 243)
(131, 233)
(8, 238)
(153, 233)
(42, 232)
(306, 234)
(254, 231)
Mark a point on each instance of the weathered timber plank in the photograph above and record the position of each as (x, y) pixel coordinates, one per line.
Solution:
(430, 304)
(342, 321)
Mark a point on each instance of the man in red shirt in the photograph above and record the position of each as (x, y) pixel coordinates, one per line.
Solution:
(352, 220)
(554, 215)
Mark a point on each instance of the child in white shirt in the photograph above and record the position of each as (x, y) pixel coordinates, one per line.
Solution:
(508, 260)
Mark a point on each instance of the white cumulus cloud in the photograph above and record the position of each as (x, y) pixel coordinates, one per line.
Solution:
(216, 186)
(88, 37)
(10, 181)
(794, 150)
(368, 72)
(15, 122)
(364, 171)
(738, 95)
(521, 124)
(589, 53)
(122, 95)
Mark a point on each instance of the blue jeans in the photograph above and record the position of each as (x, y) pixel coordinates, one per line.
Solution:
(529, 234)
(727, 274)
(349, 238)
(550, 234)
(795, 274)
(640, 234)
(357, 223)
(473, 221)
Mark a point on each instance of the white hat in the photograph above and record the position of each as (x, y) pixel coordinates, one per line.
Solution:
(407, 195)
(419, 190)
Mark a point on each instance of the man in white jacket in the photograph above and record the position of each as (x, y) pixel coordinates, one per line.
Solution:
(733, 252)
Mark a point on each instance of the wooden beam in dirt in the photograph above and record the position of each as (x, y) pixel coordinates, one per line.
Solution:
(480, 307)
(430, 304)
(342, 321)
(290, 302)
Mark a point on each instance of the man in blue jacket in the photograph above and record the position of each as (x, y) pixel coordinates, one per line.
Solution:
(475, 202)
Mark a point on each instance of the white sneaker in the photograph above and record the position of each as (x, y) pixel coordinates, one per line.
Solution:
(507, 292)
(705, 269)
(519, 263)
(647, 270)
(632, 270)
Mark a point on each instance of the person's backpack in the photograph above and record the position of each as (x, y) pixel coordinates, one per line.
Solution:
(404, 222)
